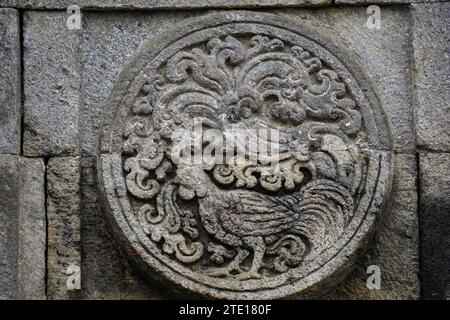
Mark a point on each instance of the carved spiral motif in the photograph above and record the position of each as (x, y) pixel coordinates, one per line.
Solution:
(239, 229)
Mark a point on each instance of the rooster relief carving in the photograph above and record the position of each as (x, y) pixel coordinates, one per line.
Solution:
(234, 221)
(256, 224)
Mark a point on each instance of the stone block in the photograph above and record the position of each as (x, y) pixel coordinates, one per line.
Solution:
(435, 224)
(63, 210)
(105, 56)
(32, 230)
(194, 231)
(431, 38)
(69, 75)
(385, 55)
(378, 50)
(395, 244)
(106, 272)
(22, 228)
(9, 218)
(10, 86)
(8, 3)
(163, 4)
(381, 2)
(52, 82)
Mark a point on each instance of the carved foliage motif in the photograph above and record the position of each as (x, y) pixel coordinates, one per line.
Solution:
(233, 82)
(243, 224)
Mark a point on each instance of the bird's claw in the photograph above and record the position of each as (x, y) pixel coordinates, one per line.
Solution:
(223, 272)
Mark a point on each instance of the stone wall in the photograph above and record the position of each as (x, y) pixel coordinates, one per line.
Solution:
(57, 230)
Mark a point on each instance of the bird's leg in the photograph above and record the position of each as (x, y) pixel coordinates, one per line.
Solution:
(234, 265)
(259, 248)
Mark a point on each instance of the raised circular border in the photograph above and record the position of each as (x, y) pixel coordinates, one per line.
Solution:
(113, 190)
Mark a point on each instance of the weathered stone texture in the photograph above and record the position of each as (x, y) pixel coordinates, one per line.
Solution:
(9, 217)
(204, 226)
(106, 274)
(163, 4)
(63, 211)
(368, 2)
(122, 35)
(22, 228)
(435, 224)
(395, 245)
(190, 4)
(10, 86)
(32, 230)
(8, 3)
(52, 81)
(381, 50)
(431, 39)
(69, 74)
(377, 51)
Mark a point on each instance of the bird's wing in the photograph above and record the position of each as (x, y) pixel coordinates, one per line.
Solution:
(256, 214)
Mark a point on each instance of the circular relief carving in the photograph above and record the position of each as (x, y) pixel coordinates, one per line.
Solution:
(243, 229)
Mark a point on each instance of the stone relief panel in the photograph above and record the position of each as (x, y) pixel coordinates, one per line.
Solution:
(289, 223)
(233, 230)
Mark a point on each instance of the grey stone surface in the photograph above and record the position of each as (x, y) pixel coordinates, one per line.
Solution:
(32, 230)
(368, 2)
(395, 245)
(63, 211)
(378, 50)
(230, 231)
(9, 217)
(435, 224)
(22, 228)
(122, 35)
(431, 38)
(388, 48)
(8, 3)
(385, 54)
(10, 86)
(52, 81)
(106, 273)
(163, 4)
(69, 75)
(189, 4)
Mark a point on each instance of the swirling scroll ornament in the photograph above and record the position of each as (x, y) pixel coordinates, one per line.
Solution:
(229, 85)
(266, 216)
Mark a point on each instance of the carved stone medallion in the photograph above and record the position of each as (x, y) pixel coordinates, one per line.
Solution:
(235, 229)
